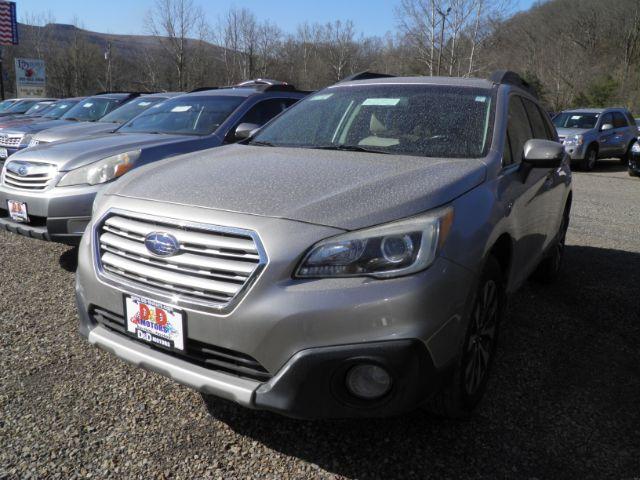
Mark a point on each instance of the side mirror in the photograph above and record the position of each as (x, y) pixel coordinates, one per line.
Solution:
(543, 153)
(245, 130)
(605, 127)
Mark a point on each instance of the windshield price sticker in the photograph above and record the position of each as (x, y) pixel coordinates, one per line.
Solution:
(181, 108)
(382, 102)
(87, 105)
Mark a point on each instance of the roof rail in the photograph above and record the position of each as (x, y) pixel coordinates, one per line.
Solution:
(512, 78)
(365, 75)
(266, 85)
(202, 89)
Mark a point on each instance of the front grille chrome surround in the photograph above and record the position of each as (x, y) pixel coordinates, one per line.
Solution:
(39, 176)
(212, 271)
(10, 140)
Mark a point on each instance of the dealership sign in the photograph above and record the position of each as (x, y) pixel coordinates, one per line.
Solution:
(30, 77)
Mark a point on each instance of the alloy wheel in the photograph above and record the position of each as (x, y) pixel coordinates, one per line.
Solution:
(480, 345)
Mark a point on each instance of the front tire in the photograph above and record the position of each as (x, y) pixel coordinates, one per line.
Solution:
(468, 382)
(590, 159)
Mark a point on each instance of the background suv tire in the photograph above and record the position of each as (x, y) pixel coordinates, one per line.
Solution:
(590, 158)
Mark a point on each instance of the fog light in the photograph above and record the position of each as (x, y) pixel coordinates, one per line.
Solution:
(368, 381)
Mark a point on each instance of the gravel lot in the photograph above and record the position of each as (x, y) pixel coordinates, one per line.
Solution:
(563, 401)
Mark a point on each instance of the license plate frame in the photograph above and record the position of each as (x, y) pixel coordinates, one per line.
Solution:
(18, 211)
(167, 331)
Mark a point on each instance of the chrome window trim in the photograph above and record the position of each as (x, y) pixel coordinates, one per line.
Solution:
(132, 288)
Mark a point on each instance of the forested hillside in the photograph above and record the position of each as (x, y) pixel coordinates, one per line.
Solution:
(576, 52)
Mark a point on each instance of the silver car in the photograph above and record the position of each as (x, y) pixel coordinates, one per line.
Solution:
(352, 258)
(592, 133)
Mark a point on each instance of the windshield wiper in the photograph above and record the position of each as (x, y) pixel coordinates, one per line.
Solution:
(262, 144)
(73, 119)
(348, 148)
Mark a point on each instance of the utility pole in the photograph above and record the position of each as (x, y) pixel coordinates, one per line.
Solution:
(444, 16)
(107, 57)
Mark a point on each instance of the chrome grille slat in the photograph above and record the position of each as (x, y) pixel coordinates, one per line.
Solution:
(39, 178)
(10, 141)
(213, 264)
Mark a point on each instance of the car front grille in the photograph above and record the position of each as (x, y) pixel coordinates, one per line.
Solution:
(28, 175)
(200, 353)
(211, 268)
(10, 140)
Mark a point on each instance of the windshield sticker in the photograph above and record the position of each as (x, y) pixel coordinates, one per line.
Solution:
(382, 102)
(323, 96)
(481, 99)
(181, 108)
(144, 104)
(87, 105)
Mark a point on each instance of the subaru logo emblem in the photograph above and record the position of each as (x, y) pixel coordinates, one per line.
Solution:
(22, 170)
(162, 244)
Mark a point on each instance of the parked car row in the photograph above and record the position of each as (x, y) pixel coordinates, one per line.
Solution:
(343, 253)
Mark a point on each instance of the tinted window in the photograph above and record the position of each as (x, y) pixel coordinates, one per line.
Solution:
(91, 109)
(518, 128)
(619, 121)
(583, 120)
(21, 106)
(264, 111)
(186, 115)
(535, 117)
(422, 120)
(39, 108)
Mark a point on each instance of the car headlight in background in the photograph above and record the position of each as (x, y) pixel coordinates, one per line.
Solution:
(101, 172)
(573, 140)
(635, 148)
(390, 250)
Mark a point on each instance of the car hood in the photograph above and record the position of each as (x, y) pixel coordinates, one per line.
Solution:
(75, 130)
(565, 132)
(71, 154)
(36, 127)
(346, 190)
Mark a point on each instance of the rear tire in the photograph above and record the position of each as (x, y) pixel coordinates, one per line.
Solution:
(590, 159)
(467, 384)
(549, 268)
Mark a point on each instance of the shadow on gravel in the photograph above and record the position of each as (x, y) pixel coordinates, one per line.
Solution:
(609, 165)
(562, 402)
(69, 259)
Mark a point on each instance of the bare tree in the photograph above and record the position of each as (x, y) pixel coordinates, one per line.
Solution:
(173, 22)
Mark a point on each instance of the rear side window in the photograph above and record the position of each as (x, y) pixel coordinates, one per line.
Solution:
(619, 121)
(518, 129)
(537, 122)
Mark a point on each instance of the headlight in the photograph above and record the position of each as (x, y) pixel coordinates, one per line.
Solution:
(390, 250)
(573, 140)
(102, 171)
(635, 148)
(26, 140)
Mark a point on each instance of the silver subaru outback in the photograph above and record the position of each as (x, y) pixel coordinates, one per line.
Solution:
(352, 258)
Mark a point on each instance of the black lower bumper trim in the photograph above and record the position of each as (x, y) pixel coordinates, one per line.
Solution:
(312, 384)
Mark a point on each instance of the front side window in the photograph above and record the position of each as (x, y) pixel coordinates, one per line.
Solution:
(538, 123)
(518, 128)
(583, 120)
(419, 120)
(91, 109)
(188, 115)
(130, 110)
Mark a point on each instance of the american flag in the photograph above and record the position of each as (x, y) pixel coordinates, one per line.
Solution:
(8, 23)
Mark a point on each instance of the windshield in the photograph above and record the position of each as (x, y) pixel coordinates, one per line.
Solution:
(6, 104)
(21, 106)
(59, 108)
(421, 120)
(39, 108)
(91, 109)
(582, 120)
(130, 110)
(187, 115)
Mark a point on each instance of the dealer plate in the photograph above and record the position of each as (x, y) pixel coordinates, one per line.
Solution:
(155, 323)
(17, 211)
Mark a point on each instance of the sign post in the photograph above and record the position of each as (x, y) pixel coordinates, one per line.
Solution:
(30, 77)
(8, 33)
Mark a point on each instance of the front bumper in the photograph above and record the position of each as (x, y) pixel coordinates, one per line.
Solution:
(55, 214)
(302, 332)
